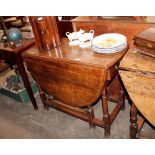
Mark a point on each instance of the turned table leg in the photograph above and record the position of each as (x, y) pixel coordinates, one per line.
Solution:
(91, 116)
(122, 99)
(106, 117)
(43, 98)
(42, 95)
(121, 94)
(133, 122)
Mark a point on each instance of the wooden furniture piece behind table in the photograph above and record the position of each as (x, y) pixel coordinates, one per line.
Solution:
(124, 25)
(13, 56)
(45, 32)
(64, 25)
(72, 79)
(138, 75)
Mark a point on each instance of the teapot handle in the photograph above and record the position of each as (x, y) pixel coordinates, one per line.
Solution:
(67, 34)
(91, 31)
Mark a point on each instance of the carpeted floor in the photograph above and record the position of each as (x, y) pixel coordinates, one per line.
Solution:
(22, 121)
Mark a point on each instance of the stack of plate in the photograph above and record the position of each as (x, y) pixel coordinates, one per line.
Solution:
(109, 43)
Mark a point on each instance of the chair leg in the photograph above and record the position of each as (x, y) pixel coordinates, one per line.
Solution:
(133, 122)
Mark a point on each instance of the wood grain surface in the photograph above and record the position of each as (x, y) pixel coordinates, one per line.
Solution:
(138, 75)
(141, 89)
(73, 75)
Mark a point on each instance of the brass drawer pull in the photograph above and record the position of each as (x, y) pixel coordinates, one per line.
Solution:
(116, 67)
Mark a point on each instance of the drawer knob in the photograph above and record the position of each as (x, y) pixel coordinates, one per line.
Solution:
(116, 67)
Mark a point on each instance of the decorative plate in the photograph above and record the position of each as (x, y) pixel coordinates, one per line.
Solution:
(109, 40)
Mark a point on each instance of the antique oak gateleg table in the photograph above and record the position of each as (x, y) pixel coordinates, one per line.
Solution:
(13, 56)
(138, 75)
(72, 79)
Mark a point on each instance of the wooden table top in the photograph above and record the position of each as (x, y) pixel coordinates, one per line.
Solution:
(24, 45)
(71, 71)
(76, 54)
(137, 62)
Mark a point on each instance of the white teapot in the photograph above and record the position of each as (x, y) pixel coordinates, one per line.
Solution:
(86, 39)
(71, 36)
(80, 38)
(74, 37)
(87, 36)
